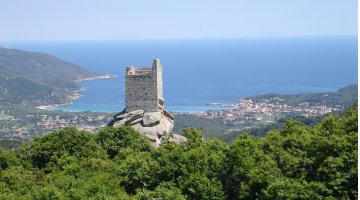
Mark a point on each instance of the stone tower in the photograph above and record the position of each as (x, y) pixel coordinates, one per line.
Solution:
(144, 88)
(144, 109)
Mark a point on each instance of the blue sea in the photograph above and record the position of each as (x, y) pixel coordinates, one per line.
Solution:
(201, 71)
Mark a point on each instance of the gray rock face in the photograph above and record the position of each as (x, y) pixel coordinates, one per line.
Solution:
(151, 118)
(162, 130)
(156, 126)
(167, 114)
(155, 141)
(128, 118)
(136, 113)
(135, 122)
(178, 139)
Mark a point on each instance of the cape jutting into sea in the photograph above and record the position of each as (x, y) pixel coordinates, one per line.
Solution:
(198, 72)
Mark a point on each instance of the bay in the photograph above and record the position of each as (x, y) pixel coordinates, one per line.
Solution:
(198, 71)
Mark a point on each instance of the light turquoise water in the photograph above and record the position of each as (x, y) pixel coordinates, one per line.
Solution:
(197, 72)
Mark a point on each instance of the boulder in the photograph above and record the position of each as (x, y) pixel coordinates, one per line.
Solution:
(161, 130)
(178, 138)
(128, 118)
(167, 114)
(136, 114)
(156, 126)
(111, 123)
(155, 142)
(120, 113)
(134, 122)
(151, 118)
(119, 123)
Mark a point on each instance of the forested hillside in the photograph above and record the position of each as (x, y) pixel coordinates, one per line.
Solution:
(296, 162)
(35, 78)
(344, 96)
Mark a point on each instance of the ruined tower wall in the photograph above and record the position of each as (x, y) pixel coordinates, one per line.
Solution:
(144, 88)
(157, 69)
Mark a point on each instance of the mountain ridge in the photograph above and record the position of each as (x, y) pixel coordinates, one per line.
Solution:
(36, 78)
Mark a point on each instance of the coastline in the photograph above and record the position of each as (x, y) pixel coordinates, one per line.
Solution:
(103, 76)
(213, 106)
(76, 94)
(71, 98)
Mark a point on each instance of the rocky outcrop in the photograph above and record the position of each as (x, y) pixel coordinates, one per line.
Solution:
(156, 126)
(151, 119)
(177, 138)
(128, 118)
(144, 108)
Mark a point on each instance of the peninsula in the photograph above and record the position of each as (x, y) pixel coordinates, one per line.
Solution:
(36, 79)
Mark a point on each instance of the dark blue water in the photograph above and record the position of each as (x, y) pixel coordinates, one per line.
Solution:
(197, 72)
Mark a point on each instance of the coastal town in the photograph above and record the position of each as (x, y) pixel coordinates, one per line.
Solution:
(244, 113)
(23, 122)
(82, 122)
(38, 123)
(246, 110)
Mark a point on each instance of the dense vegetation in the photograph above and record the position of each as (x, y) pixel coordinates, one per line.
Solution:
(262, 129)
(297, 162)
(210, 127)
(27, 117)
(35, 78)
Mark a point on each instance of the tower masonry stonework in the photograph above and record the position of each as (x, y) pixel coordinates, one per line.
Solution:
(144, 88)
(144, 110)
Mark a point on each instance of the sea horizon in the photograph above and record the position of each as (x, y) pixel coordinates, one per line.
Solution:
(199, 72)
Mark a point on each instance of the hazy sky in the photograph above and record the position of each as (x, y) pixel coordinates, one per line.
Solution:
(148, 19)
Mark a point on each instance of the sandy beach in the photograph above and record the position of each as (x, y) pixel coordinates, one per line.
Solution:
(77, 93)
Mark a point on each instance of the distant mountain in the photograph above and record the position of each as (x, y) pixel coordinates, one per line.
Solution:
(36, 78)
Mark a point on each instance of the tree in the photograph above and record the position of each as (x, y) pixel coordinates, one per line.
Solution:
(286, 188)
(7, 159)
(137, 170)
(171, 159)
(113, 139)
(197, 186)
(334, 151)
(244, 155)
(165, 191)
(297, 162)
(194, 137)
(68, 141)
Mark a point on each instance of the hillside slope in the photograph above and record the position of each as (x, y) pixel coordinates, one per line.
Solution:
(344, 96)
(36, 78)
(296, 162)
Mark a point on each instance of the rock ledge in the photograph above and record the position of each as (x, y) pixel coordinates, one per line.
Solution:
(156, 126)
